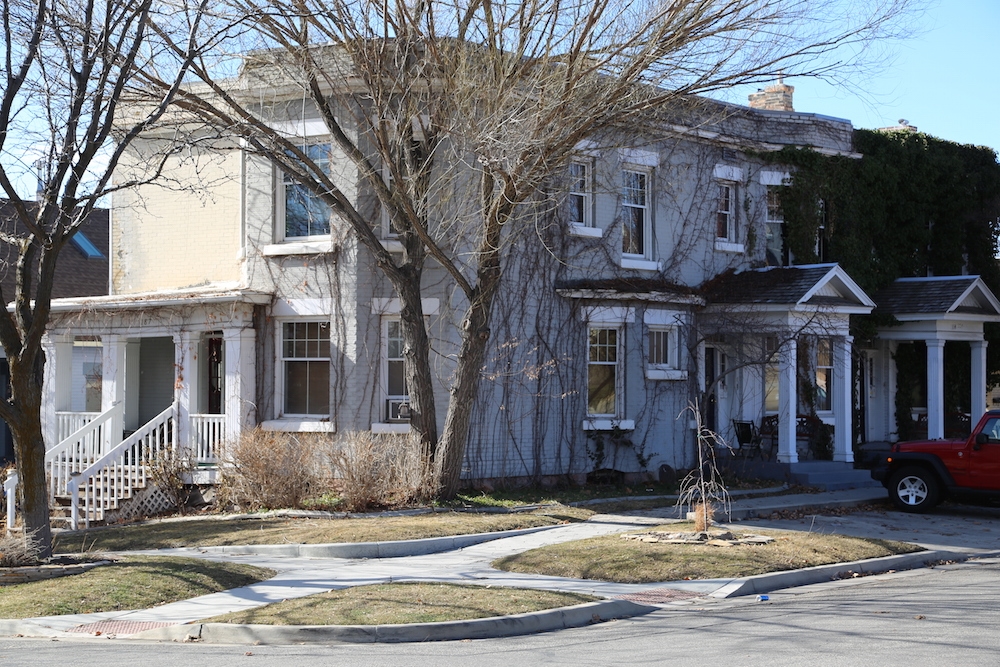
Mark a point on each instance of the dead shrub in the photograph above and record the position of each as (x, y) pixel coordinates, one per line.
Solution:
(380, 470)
(19, 550)
(270, 469)
(171, 473)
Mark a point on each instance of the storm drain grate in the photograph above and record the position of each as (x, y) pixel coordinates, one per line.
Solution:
(118, 627)
(659, 596)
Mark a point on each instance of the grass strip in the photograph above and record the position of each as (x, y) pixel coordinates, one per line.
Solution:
(134, 582)
(223, 532)
(611, 558)
(383, 604)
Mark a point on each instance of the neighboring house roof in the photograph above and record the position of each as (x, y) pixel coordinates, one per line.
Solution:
(79, 271)
(815, 285)
(924, 298)
(918, 298)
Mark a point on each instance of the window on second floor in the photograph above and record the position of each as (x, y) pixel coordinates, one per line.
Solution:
(636, 218)
(305, 215)
(580, 199)
(725, 213)
(777, 253)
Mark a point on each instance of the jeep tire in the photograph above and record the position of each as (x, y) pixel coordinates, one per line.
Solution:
(914, 489)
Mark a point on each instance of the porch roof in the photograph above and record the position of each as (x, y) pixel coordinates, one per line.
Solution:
(911, 299)
(185, 297)
(818, 285)
(630, 289)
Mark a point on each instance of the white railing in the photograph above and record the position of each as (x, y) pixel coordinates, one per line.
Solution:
(68, 423)
(207, 433)
(122, 469)
(9, 491)
(81, 448)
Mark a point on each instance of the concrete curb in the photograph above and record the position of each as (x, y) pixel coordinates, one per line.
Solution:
(394, 549)
(765, 583)
(481, 628)
(757, 512)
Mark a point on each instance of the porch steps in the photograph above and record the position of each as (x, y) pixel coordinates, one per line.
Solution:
(831, 475)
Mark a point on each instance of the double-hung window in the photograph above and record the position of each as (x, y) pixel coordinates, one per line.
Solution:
(603, 372)
(663, 358)
(725, 213)
(776, 255)
(396, 392)
(824, 375)
(635, 213)
(580, 199)
(305, 368)
(306, 215)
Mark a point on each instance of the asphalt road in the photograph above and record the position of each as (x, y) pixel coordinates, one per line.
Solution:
(945, 616)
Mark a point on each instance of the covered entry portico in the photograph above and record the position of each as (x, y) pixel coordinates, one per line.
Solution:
(935, 311)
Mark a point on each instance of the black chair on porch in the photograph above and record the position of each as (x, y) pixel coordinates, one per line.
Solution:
(749, 439)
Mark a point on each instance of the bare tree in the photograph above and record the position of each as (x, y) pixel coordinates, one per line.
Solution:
(457, 116)
(67, 67)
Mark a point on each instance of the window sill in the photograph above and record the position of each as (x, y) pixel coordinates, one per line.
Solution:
(298, 248)
(607, 424)
(304, 425)
(640, 264)
(397, 427)
(665, 374)
(727, 246)
(586, 232)
(392, 245)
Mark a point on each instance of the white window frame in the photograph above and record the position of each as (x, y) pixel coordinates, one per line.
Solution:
(584, 194)
(284, 180)
(647, 213)
(280, 374)
(667, 323)
(728, 187)
(384, 379)
(618, 365)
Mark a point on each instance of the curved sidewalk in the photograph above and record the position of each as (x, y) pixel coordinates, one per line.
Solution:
(308, 569)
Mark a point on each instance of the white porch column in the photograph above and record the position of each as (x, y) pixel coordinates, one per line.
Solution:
(843, 431)
(787, 402)
(112, 370)
(57, 384)
(935, 389)
(186, 384)
(241, 380)
(978, 402)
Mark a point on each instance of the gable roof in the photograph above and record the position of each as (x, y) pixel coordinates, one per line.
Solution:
(820, 285)
(76, 273)
(939, 296)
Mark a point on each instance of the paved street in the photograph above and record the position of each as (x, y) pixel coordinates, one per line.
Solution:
(946, 616)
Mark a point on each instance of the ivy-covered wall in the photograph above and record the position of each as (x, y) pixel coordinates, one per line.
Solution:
(913, 205)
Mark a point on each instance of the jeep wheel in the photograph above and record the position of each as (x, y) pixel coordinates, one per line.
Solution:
(914, 490)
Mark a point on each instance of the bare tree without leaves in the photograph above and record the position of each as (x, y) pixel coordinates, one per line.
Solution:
(457, 115)
(67, 68)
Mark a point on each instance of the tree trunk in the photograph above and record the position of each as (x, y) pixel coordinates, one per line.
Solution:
(416, 358)
(29, 450)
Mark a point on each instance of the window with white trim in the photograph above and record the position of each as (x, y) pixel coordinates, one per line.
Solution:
(304, 214)
(636, 218)
(662, 351)
(725, 213)
(580, 199)
(824, 375)
(774, 229)
(393, 375)
(389, 230)
(305, 368)
(604, 372)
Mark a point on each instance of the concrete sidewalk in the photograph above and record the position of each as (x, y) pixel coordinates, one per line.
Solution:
(308, 569)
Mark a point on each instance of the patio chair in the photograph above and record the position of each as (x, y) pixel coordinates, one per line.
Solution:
(748, 438)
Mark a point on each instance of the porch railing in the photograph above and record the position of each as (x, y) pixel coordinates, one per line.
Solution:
(122, 469)
(208, 433)
(82, 447)
(68, 423)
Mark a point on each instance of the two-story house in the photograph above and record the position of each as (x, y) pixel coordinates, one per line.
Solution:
(659, 281)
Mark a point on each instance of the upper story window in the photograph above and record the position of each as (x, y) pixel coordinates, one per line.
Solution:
(305, 368)
(580, 200)
(636, 218)
(725, 212)
(777, 253)
(305, 214)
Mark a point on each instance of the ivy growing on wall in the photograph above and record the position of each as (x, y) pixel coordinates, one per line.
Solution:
(913, 205)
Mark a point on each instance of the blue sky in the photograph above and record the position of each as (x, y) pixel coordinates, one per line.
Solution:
(945, 79)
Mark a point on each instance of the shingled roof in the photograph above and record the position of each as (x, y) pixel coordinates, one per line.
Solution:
(937, 295)
(76, 273)
(817, 285)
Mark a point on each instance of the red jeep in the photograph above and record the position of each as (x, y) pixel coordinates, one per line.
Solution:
(921, 473)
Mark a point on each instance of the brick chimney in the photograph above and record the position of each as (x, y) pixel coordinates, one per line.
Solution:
(774, 98)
